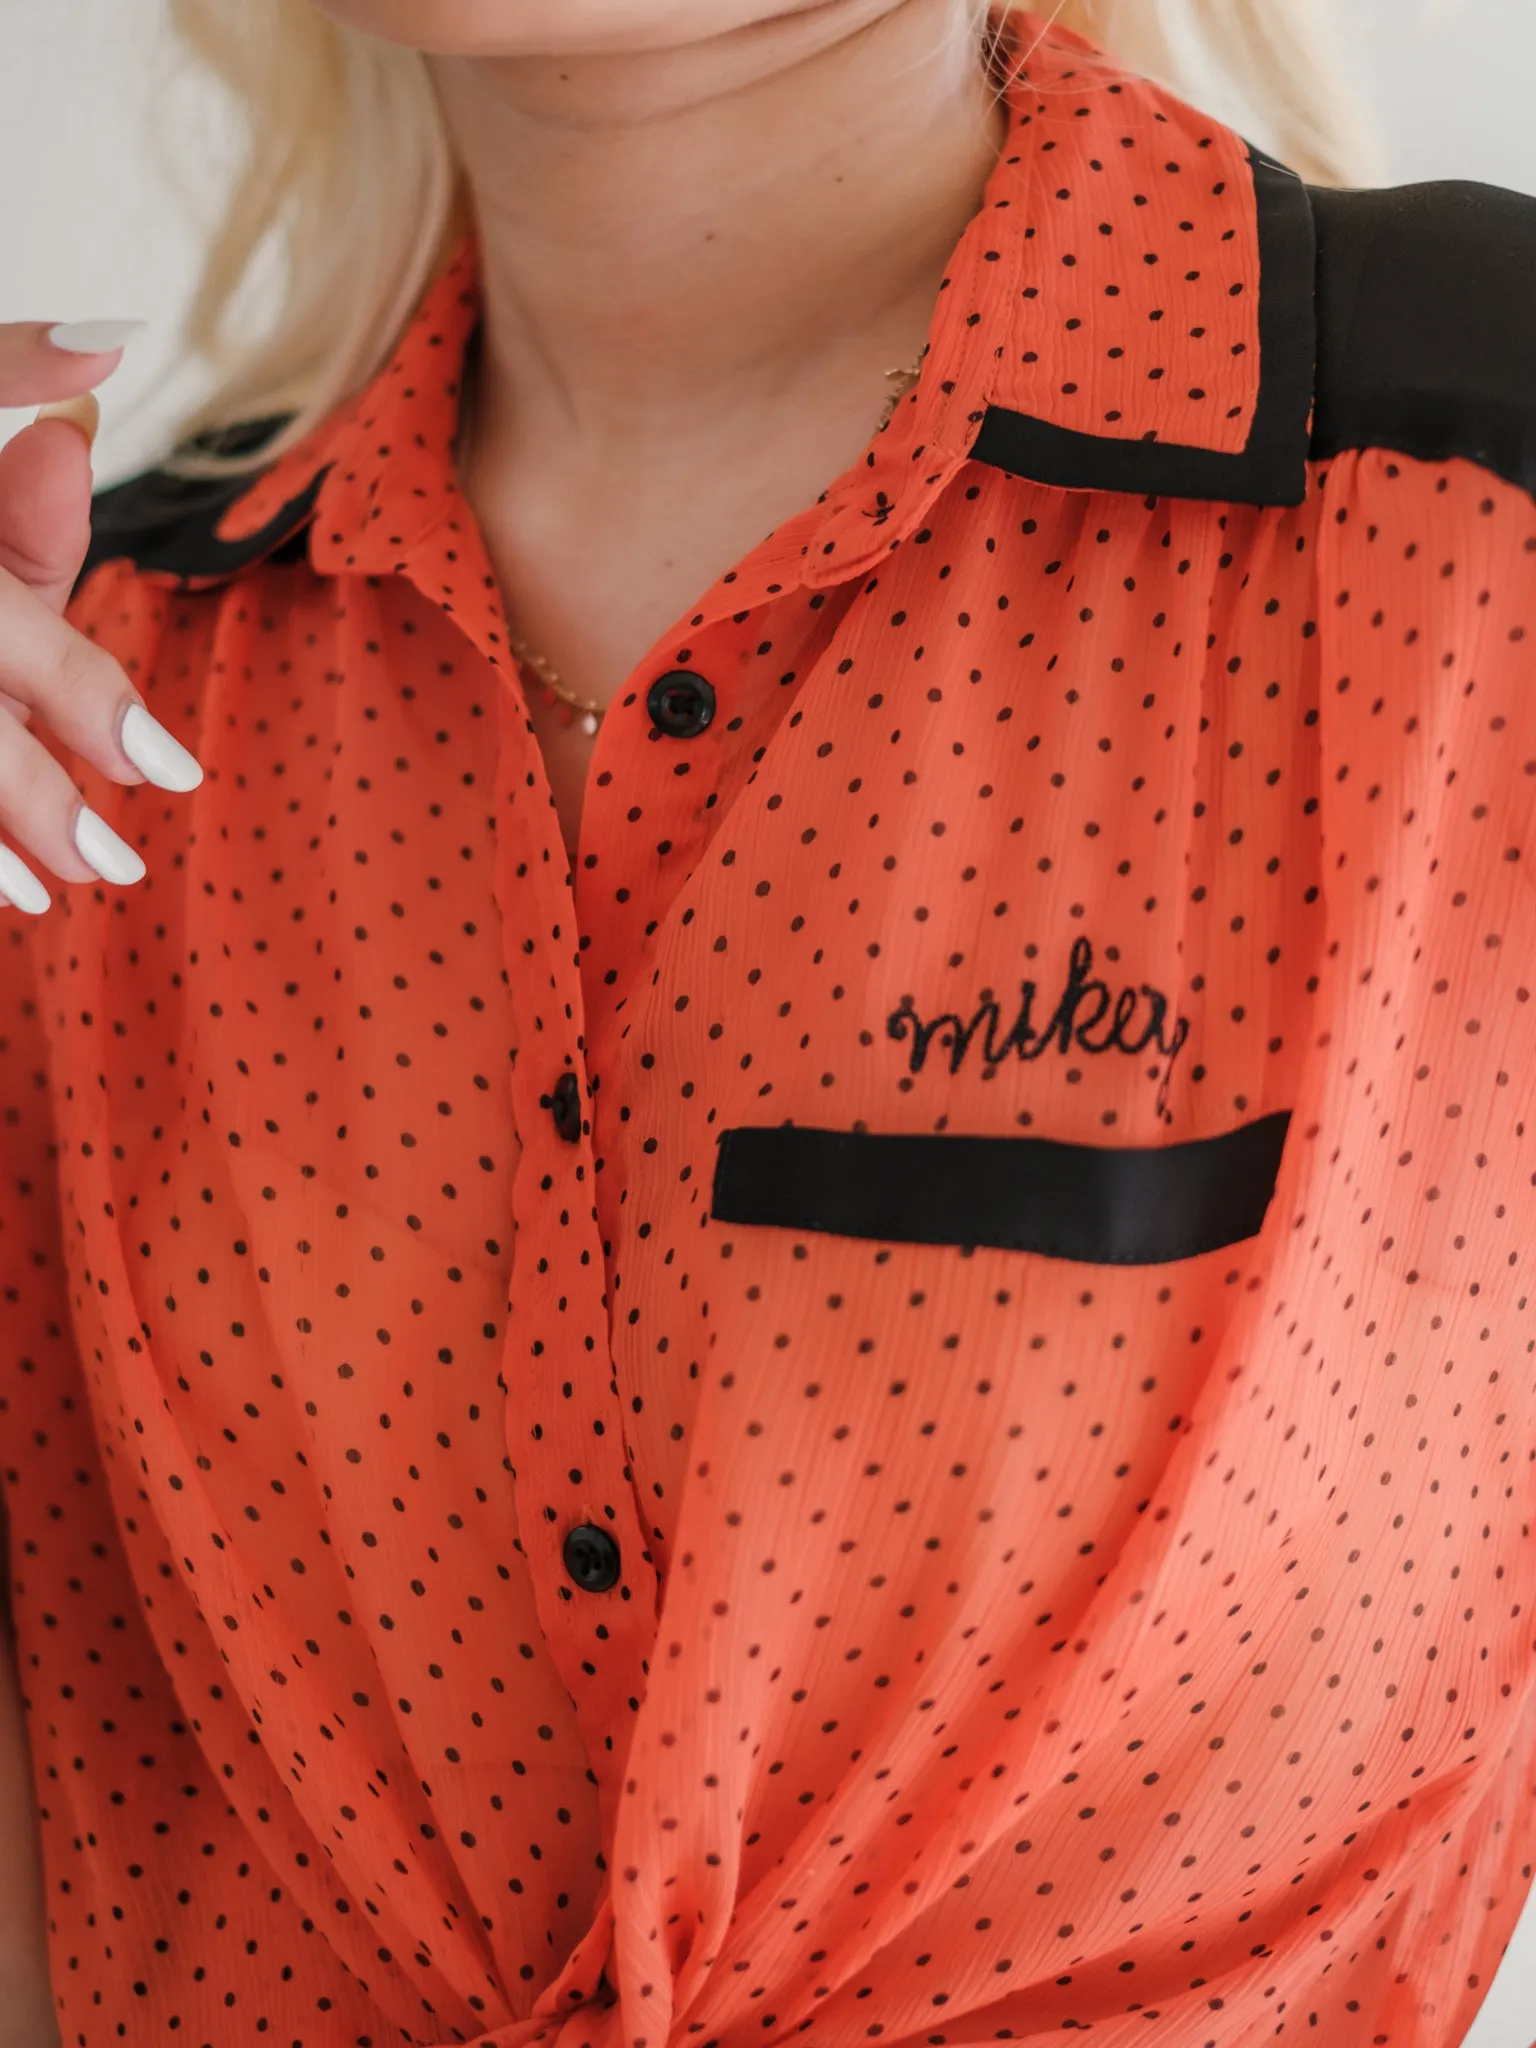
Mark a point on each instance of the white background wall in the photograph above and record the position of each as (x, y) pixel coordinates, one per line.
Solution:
(89, 227)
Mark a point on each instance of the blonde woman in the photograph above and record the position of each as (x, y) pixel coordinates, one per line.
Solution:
(778, 1287)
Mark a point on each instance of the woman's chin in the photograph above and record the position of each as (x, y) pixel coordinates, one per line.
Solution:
(556, 28)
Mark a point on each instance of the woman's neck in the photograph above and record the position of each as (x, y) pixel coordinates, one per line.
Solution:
(688, 239)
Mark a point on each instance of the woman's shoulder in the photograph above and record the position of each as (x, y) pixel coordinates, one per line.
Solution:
(166, 523)
(1426, 304)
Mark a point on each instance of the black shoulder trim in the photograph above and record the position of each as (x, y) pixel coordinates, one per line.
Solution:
(1272, 469)
(168, 523)
(1427, 325)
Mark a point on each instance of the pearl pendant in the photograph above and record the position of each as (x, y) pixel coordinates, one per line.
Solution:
(589, 722)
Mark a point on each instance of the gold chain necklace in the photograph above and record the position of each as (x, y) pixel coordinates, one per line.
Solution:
(901, 381)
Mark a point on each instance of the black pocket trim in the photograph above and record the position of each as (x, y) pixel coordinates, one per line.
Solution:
(1093, 1204)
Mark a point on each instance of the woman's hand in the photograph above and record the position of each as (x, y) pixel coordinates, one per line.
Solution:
(48, 671)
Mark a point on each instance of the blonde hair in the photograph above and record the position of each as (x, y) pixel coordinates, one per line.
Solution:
(348, 170)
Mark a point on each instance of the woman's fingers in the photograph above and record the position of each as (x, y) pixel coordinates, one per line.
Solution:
(54, 682)
(82, 695)
(65, 682)
(41, 363)
(41, 809)
(45, 506)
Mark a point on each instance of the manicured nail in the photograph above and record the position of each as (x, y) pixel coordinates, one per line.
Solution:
(82, 412)
(112, 858)
(21, 886)
(164, 761)
(94, 337)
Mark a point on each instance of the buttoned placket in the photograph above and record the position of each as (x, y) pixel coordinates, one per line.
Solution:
(594, 1583)
(594, 1578)
(579, 1519)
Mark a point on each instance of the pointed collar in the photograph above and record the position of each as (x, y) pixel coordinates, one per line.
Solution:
(1131, 309)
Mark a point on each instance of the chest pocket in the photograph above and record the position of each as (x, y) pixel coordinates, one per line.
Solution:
(1103, 1206)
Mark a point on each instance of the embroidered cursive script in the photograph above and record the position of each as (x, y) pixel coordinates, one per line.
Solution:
(1086, 1016)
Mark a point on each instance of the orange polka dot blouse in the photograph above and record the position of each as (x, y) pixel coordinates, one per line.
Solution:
(900, 1406)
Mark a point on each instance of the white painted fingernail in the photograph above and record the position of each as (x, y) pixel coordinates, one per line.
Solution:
(112, 858)
(21, 886)
(94, 337)
(156, 754)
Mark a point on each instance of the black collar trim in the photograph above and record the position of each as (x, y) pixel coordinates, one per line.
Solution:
(168, 525)
(1272, 469)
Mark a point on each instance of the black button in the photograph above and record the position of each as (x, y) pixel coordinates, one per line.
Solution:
(680, 704)
(592, 1559)
(567, 1108)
